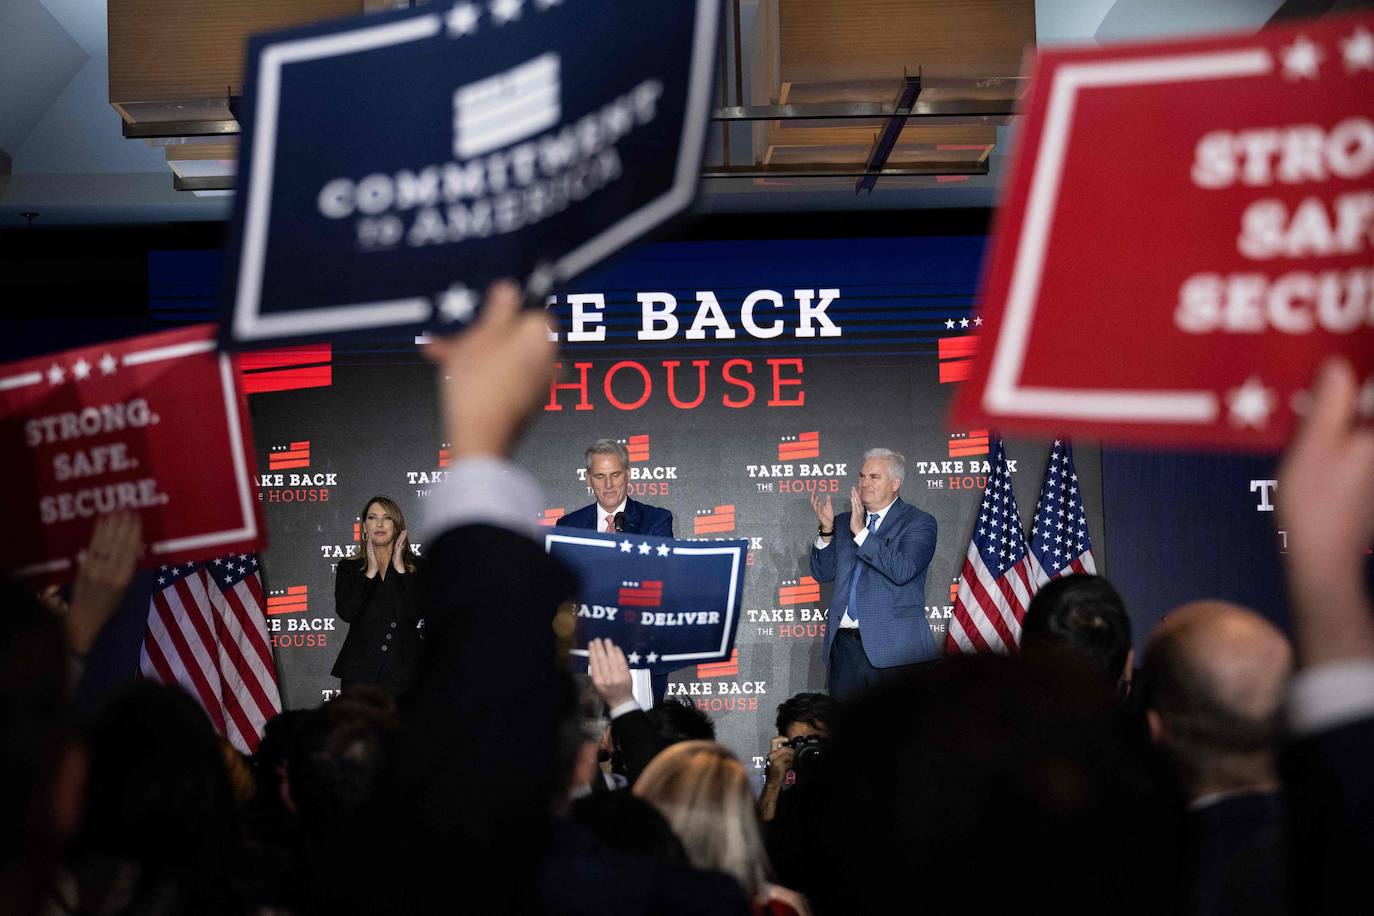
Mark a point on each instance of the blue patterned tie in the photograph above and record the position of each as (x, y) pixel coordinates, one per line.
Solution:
(858, 568)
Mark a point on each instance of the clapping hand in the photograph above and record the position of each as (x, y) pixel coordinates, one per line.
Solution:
(856, 512)
(398, 553)
(825, 512)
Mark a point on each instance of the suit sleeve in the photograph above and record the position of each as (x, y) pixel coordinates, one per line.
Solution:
(409, 588)
(638, 741)
(663, 524)
(904, 557)
(823, 560)
(352, 591)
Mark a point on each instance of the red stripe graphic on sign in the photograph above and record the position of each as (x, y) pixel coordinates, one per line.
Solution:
(642, 594)
(956, 357)
(802, 445)
(550, 517)
(638, 447)
(292, 601)
(804, 589)
(445, 453)
(714, 521)
(287, 368)
(296, 455)
(728, 668)
(973, 442)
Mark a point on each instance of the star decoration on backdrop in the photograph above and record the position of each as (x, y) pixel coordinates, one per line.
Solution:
(1250, 404)
(949, 324)
(457, 303)
(644, 549)
(108, 364)
(632, 658)
(663, 550)
(504, 11)
(55, 375)
(963, 322)
(462, 20)
(81, 369)
(651, 657)
(1358, 51)
(1301, 59)
(978, 322)
(626, 547)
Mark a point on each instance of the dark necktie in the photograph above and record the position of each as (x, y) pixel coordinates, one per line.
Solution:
(858, 568)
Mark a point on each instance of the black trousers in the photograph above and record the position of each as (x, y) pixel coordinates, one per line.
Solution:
(851, 673)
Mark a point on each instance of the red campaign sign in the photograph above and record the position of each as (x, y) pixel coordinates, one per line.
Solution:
(1188, 230)
(155, 424)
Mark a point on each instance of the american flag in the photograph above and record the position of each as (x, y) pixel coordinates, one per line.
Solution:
(206, 631)
(1060, 544)
(997, 582)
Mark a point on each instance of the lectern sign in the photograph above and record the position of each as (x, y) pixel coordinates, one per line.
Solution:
(394, 164)
(1188, 231)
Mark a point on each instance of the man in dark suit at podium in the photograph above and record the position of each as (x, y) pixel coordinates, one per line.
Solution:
(608, 475)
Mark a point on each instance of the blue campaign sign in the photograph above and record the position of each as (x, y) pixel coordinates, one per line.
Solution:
(392, 165)
(667, 603)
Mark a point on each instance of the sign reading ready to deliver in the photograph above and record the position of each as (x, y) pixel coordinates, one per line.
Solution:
(1188, 231)
(391, 166)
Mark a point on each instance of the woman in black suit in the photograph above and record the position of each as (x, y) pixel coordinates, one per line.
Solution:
(378, 593)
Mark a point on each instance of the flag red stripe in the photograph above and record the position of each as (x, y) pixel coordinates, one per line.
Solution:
(254, 628)
(275, 465)
(155, 656)
(182, 648)
(248, 733)
(956, 347)
(988, 604)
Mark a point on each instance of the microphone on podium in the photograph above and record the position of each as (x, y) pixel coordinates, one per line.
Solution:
(619, 522)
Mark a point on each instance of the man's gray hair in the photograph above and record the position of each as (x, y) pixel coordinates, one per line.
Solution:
(896, 461)
(608, 447)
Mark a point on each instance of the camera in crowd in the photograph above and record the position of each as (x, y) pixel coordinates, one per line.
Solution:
(809, 752)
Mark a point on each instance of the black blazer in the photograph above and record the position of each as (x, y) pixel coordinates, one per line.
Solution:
(383, 645)
(640, 518)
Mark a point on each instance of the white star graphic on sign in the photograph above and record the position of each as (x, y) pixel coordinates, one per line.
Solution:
(161, 580)
(107, 364)
(978, 321)
(626, 547)
(963, 322)
(1367, 398)
(1359, 51)
(645, 548)
(81, 369)
(462, 20)
(632, 658)
(663, 550)
(949, 325)
(1301, 59)
(503, 11)
(457, 303)
(1250, 404)
(652, 657)
(56, 375)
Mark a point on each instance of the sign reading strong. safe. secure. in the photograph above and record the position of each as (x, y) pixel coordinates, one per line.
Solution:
(393, 165)
(1188, 231)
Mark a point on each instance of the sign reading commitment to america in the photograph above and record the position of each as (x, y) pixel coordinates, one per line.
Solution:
(155, 425)
(393, 165)
(1188, 231)
(667, 603)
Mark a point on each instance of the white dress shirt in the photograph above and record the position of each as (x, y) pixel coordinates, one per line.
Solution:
(847, 622)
